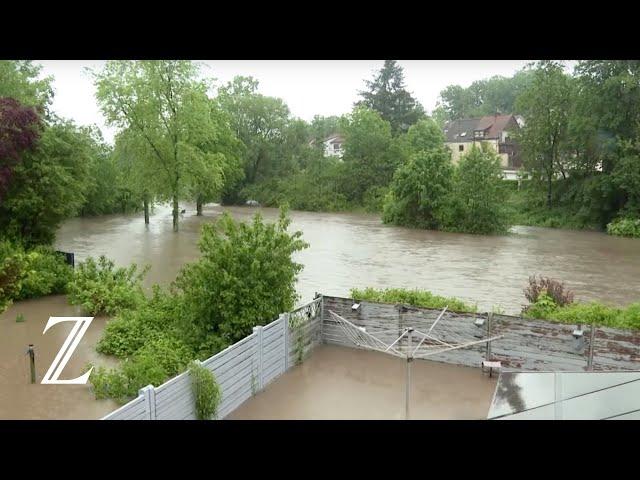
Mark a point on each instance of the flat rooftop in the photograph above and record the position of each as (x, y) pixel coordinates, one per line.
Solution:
(341, 383)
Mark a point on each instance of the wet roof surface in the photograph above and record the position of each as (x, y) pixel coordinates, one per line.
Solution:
(567, 396)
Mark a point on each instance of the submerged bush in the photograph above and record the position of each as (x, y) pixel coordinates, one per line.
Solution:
(46, 273)
(418, 298)
(624, 227)
(101, 288)
(586, 313)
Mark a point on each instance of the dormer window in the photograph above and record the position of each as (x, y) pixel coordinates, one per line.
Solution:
(478, 134)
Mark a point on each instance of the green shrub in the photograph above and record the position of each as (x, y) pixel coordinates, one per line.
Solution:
(12, 272)
(544, 307)
(153, 364)
(245, 277)
(206, 391)
(131, 329)
(624, 227)
(418, 298)
(46, 273)
(101, 288)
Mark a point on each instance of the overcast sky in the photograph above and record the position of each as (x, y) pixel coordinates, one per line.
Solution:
(309, 87)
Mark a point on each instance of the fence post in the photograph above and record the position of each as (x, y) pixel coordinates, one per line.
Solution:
(149, 394)
(258, 331)
(285, 322)
(321, 318)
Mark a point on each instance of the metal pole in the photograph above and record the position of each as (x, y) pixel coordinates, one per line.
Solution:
(32, 362)
(408, 381)
(489, 326)
(592, 339)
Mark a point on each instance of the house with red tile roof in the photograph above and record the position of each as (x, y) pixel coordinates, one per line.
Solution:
(495, 130)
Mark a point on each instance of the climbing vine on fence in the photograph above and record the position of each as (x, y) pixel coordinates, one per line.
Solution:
(206, 391)
(297, 320)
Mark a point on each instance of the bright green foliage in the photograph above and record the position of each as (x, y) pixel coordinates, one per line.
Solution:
(418, 298)
(164, 108)
(111, 188)
(478, 201)
(387, 95)
(132, 329)
(46, 273)
(483, 97)
(245, 276)
(19, 79)
(316, 188)
(546, 105)
(586, 313)
(153, 364)
(48, 185)
(102, 289)
(543, 307)
(12, 271)
(370, 153)
(259, 122)
(206, 391)
(625, 227)
(419, 193)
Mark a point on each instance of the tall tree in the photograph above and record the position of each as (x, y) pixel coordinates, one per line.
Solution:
(259, 122)
(497, 94)
(370, 153)
(21, 80)
(387, 94)
(421, 186)
(48, 185)
(546, 106)
(166, 105)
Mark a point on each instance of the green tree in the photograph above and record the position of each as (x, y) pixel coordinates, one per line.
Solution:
(19, 79)
(479, 196)
(258, 121)
(497, 94)
(166, 108)
(48, 185)
(370, 153)
(419, 193)
(546, 106)
(387, 94)
(245, 277)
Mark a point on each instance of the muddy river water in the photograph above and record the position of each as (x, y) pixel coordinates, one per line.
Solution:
(346, 250)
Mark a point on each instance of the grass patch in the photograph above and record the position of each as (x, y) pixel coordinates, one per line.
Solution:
(415, 297)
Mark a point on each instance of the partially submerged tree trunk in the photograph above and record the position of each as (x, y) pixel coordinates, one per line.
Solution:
(175, 213)
(199, 206)
(146, 209)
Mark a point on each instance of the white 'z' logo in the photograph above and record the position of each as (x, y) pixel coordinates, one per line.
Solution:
(69, 346)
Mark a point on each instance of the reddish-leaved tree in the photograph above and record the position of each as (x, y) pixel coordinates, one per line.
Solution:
(18, 132)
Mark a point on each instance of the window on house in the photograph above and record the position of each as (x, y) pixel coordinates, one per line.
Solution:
(336, 147)
(479, 134)
(461, 148)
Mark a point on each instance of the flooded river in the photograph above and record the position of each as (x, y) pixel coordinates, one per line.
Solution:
(346, 250)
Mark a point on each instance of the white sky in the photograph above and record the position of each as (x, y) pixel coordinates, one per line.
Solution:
(309, 87)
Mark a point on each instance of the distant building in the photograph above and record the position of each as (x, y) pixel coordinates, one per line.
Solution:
(333, 145)
(494, 130)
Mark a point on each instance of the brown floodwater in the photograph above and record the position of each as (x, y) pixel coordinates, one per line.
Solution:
(346, 250)
(340, 383)
(357, 250)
